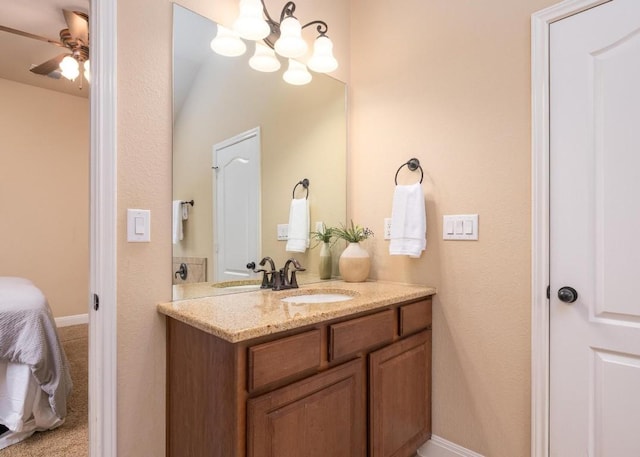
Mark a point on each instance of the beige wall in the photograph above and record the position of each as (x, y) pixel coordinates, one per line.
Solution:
(452, 88)
(144, 181)
(44, 193)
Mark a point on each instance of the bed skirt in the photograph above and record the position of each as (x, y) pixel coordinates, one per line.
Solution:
(24, 407)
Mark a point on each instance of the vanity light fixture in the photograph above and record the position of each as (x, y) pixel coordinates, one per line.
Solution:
(297, 73)
(228, 43)
(264, 59)
(284, 37)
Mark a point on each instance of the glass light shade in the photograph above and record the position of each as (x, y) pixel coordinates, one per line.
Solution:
(264, 59)
(322, 60)
(290, 44)
(250, 24)
(228, 43)
(297, 73)
(69, 68)
(87, 71)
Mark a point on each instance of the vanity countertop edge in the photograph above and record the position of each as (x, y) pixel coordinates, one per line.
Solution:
(244, 316)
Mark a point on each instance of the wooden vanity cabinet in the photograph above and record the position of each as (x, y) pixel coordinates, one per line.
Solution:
(323, 415)
(400, 397)
(350, 387)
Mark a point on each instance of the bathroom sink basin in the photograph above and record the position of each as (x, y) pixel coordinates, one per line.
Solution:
(318, 298)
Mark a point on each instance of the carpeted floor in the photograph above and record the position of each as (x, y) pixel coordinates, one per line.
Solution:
(72, 438)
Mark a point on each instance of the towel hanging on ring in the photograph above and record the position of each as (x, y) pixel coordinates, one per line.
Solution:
(408, 216)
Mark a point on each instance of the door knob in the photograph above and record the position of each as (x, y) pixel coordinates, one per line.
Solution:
(567, 294)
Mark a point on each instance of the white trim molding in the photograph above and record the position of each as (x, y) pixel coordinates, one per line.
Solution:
(102, 322)
(439, 447)
(76, 319)
(540, 23)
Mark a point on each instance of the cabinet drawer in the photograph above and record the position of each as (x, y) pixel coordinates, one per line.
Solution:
(415, 317)
(350, 337)
(280, 359)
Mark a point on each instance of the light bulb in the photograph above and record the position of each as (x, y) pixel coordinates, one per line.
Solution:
(87, 71)
(69, 68)
(264, 59)
(290, 44)
(250, 24)
(297, 73)
(228, 43)
(322, 60)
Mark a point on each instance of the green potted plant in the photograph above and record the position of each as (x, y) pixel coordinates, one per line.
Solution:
(354, 262)
(324, 236)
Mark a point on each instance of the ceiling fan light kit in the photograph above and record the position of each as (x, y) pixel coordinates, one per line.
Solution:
(75, 38)
(70, 68)
(276, 38)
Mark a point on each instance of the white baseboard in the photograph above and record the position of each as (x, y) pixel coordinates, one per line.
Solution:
(66, 321)
(439, 447)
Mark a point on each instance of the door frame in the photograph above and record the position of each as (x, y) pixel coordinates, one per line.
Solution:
(103, 232)
(540, 400)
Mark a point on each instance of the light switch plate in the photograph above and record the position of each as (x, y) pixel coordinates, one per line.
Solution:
(138, 225)
(460, 227)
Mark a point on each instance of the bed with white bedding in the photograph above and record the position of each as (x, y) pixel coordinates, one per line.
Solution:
(34, 372)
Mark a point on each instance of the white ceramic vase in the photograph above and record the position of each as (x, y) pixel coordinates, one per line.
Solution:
(354, 263)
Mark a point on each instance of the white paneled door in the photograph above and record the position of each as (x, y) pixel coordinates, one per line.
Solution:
(595, 232)
(236, 169)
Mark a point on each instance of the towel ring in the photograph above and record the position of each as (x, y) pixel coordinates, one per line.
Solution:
(305, 184)
(413, 164)
(190, 202)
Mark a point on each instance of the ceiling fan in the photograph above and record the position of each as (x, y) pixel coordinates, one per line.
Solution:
(75, 39)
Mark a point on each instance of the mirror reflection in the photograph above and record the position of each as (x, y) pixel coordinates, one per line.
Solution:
(242, 141)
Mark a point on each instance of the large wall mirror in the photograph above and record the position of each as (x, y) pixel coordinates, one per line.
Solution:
(300, 133)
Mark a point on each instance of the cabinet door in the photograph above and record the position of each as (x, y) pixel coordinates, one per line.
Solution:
(321, 416)
(400, 397)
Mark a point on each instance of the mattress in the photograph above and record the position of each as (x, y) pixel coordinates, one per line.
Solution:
(34, 372)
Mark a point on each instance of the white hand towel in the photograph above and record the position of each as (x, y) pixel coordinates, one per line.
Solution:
(408, 221)
(298, 235)
(185, 211)
(177, 221)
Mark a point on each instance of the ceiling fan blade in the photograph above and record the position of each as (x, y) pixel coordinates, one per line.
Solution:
(78, 25)
(49, 66)
(30, 35)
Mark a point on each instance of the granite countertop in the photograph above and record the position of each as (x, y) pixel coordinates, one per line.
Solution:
(243, 316)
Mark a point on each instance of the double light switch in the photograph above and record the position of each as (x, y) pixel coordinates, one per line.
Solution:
(460, 227)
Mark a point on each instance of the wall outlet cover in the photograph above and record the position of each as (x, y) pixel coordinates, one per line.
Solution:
(387, 228)
(283, 232)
